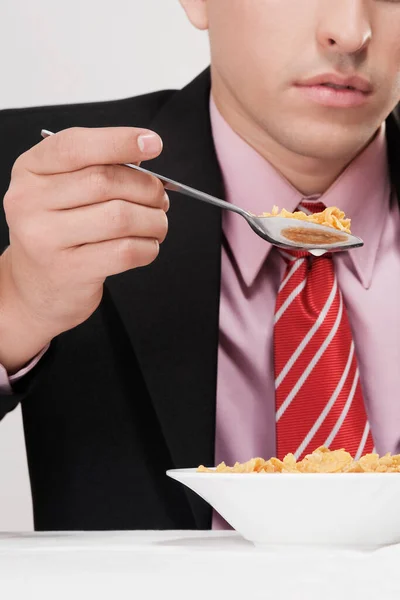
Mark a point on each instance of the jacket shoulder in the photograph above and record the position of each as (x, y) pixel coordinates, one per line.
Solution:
(20, 128)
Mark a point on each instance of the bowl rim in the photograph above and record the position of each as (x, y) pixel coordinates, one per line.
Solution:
(192, 472)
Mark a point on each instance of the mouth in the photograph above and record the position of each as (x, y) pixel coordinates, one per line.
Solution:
(335, 91)
(338, 87)
(335, 81)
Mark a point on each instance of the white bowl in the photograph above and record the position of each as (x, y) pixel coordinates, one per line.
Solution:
(347, 510)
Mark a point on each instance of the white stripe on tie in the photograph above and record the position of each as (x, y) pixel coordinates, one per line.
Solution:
(312, 363)
(344, 412)
(292, 271)
(307, 337)
(289, 300)
(289, 257)
(306, 210)
(328, 406)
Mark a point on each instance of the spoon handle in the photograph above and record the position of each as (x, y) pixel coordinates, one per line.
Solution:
(174, 186)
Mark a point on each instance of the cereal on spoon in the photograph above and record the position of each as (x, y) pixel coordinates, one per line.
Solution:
(330, 217)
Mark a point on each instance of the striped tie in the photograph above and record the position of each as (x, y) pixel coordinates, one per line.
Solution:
(317, 385)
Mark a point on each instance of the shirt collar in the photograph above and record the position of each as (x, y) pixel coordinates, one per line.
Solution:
(362, 191)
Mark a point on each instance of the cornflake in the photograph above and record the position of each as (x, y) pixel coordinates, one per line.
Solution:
(330, 217)
(322, 460)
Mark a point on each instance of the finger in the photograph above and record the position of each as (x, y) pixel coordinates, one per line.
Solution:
(107, 221)
(100, 184)
(114, 256)
(79, 147)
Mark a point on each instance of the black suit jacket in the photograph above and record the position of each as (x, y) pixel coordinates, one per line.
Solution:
(132, 392)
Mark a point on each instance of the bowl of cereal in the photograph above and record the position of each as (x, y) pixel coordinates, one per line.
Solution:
(328, 499)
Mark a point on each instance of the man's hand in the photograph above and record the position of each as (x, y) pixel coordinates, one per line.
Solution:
(75, 217)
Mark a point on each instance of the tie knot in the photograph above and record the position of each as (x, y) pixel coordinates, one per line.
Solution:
(311, 206)
(290, 256)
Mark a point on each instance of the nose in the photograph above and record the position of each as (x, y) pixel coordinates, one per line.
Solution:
(344, 26)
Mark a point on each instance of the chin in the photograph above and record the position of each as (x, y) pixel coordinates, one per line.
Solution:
(324, 141)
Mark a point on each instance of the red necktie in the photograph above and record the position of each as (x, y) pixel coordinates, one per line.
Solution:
(318, 392)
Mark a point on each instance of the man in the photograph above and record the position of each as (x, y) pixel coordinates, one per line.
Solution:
(129, 361)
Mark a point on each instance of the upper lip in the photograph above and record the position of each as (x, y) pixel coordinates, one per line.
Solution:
(357, 82)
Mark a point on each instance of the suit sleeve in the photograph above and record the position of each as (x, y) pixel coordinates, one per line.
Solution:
(6, 381)
(29, 378)
(13, 143)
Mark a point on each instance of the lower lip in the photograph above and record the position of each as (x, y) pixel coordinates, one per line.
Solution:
(327, 96)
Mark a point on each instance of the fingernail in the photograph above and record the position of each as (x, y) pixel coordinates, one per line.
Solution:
(150, 143)
(166, 202)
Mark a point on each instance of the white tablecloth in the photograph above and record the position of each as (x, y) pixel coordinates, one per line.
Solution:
(187, 565)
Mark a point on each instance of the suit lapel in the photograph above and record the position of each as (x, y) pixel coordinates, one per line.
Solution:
(171, 309)
(393, 141)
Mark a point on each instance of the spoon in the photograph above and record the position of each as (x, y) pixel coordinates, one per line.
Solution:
(282, 232)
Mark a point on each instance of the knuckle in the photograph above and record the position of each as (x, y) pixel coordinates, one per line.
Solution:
(151, 252)
(100, 180)
(20, 164)
(132, 253)
(71, 132)
(66, 145)
(14, 204)
(10, 202)
(25, 196)
(117, 140)
(116, 216)
(163, 227)
(156, 191)
(127, 252)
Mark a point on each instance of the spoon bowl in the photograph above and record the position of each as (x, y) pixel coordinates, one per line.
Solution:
(294, 234)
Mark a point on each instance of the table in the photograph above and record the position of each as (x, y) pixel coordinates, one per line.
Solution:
(187, 565)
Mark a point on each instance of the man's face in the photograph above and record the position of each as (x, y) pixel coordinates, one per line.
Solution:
(261, 50)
